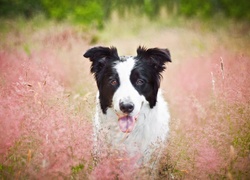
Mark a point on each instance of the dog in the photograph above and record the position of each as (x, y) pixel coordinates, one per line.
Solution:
(131, 113)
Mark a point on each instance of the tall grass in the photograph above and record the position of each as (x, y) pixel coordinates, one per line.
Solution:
(47, 102)
(210, 118)
(43, 134)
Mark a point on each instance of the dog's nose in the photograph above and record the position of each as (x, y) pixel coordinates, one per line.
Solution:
(126, 107)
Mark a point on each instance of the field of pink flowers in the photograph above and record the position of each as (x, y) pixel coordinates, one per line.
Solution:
(47, 103)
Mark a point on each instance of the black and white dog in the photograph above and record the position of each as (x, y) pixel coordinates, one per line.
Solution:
(130, 110)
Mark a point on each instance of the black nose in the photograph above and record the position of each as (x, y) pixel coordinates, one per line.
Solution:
(126, 107)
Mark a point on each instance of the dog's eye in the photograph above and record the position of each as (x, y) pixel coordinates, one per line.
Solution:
(139, 82)
(113, 82)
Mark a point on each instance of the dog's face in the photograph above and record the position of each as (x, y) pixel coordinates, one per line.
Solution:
(125, 83)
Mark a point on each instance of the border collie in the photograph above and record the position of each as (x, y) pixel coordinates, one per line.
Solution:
(131, 113)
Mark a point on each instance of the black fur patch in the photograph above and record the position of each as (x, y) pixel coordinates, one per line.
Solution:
(151, 62)
(103, 60)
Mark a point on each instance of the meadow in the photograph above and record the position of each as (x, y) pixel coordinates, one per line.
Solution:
(47, 98)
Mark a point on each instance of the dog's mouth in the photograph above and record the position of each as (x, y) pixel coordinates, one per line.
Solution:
(126, 123)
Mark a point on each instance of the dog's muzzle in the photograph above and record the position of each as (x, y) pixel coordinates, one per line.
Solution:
(126, 120)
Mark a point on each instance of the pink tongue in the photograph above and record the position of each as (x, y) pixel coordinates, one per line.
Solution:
(126, 124)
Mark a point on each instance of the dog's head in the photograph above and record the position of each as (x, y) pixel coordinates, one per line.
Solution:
(125, 83)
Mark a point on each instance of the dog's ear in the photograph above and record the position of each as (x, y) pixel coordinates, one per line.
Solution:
(155, 57)
(99, 57)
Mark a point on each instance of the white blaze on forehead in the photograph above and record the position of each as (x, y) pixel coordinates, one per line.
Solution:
(124, 69)
(126, 91)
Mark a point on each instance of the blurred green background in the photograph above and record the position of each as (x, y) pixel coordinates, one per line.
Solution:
(95, 12)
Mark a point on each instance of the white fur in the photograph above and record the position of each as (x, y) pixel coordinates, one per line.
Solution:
(151, 127)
